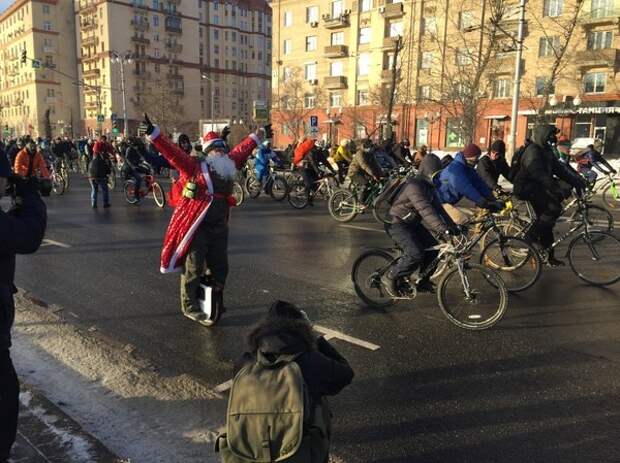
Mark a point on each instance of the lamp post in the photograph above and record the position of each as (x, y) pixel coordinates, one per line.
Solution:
(211, 84)
(122, 58)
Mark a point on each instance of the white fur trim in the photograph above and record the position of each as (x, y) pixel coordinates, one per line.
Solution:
(257, 140)
(206, 144)
(205, 173)
(155, 134)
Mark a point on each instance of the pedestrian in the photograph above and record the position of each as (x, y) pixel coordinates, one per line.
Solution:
(21, 232)
(98, 172)
(287, 367)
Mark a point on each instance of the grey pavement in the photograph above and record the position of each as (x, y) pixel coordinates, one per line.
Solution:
(543, 385)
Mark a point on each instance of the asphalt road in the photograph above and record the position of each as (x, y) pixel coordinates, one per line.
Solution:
(543, 385)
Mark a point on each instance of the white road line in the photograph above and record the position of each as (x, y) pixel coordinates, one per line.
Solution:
(48, 242)
(357, 227)
(345, 337)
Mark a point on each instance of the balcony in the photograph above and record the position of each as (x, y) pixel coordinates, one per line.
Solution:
(336, 22)
(608, 57)
(178, 91)
(50, 99)
(88, 25)
(90, 40)
(91, 72)
(335, 82)
(88, 7)
(90, 59)
(49, 49)
(174, 76)
(91, 90)
(139, 39)
(600, 17)
(91, 105)
(336, 51)
(142, 26)
(392, 10)
(389, 43)
(142, 75)
(173, 25)
(386, 74)
(174, 47)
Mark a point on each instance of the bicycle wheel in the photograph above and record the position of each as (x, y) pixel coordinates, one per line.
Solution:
(475, 300)
(297, 195)
(599, 218)
(381, 212)
(65, 178)
(253, 187)
(129, 189)
(238, 193)
(342, 205)
(515, 260)
(58, 184)
(112, 179)
(611, 196)
(366, 276)
(595, 257)
(158, 195)
(279, 188)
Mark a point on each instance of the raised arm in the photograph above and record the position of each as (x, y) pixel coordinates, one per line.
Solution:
(178, 158)
(240, 153)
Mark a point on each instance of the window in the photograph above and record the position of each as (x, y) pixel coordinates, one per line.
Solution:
(360, 130)
(424, 92)
(336, 68)
(421, 132)
(310, 71)
(553, 8)
(599, 40)
(583, 126)
(311, 42)
(50, 92)
(337, 38)
(46, 9)
(544, 87)
(335, 99)
(594, 82)
(602, 8)
(363, 64)
(362, 97)
(365, 33)
(233, 36)
(155, 21)
(312, 14)
(288, 18)
(501, 88)
(216, 34)
(337, 9)
(47, 25)
(548, 45)
(216, 49)
(309, 100)
(466, 20)
(156, 53)
(396, 29)
(453, 133)
(430, 25)
(287, 73)
(287, 47)
(427, 60)
(365, 5)
(463, 57)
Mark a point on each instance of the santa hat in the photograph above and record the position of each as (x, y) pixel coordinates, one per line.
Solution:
(210, 141)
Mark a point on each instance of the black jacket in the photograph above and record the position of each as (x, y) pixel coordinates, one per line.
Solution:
(12, 151)
(418, 201)
(325, 371)
(98, 168)
(21, 232)
(490, 170)
(133, 158)
(430, 165)
(539, 166)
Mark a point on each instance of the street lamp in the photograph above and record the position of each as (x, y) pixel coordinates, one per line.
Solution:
(122, 58)
(211, 84)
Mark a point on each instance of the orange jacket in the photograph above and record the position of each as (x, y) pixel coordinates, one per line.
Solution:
(302, 149)
(22, 164)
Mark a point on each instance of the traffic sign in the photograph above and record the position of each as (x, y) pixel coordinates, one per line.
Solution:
(115, 130)
(314, 121)
(261, 111)
(100, 118)
(314, 127)
(36, 64)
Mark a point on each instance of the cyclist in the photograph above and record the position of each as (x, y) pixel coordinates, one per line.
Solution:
(342, 157)
(29, 161)
(15, 148)
(416, 214)
(133, 165)
(428, 164)
(590, 159)
(459, 179)
(364, 168)
(261, 163)
(494, 164)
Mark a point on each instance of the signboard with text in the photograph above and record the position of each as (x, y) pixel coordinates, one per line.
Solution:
(314, 127)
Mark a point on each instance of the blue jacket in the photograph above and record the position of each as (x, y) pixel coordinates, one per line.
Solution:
(458, 180)
(263, 156)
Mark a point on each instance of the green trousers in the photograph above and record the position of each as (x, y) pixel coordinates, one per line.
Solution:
(209, 250)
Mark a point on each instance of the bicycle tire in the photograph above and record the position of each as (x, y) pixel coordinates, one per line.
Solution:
(371, 281)
(112, 180)
(492, 282)
(611, 253)
(381, 212)
(605, 221)
(339, 199)
(238, 193)
(58, 184)
(297, 195)
(129, 188)
(278, 189)
(253, 187)
(611, 196)
(159, 195)
(513, 248)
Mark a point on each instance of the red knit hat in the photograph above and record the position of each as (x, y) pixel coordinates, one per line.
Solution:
(472, 151)
(210, 140)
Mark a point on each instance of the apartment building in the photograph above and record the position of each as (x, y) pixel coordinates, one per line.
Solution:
(44, 30)
(346, 48)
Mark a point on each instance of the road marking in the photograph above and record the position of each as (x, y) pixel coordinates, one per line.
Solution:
(48, 242)
(329, 334)
(357, 227)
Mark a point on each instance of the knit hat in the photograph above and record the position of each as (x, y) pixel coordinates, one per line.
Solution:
(498, 146)
(472, 151)
(212, 140)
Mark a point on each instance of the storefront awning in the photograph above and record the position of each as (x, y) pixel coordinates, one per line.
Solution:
(499, 116)
(527, 112)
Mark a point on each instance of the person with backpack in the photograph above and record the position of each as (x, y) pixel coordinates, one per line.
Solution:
(98, 171)
(494, 164)
(277, 407)
(428, 164)
(535, 181)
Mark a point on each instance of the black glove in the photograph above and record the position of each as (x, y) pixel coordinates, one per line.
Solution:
(225, 132)
(494, 206)
(198, 148)
(150, 128)
(268, 131)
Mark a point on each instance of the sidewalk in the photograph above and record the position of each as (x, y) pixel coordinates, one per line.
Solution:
(46, 434)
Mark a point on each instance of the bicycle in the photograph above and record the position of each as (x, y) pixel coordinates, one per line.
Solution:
(274, 185)
(58, 182)
(238, 193)
(344, 205)
(471, 296)
(148, 185)
(325, 188)
(610, 193)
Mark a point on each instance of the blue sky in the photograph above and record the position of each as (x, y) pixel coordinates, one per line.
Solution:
(4, 4)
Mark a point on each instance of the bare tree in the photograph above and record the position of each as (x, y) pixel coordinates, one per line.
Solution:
(161, 101)
(294, 100)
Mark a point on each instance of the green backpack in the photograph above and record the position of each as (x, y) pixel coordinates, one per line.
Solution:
(270, 416)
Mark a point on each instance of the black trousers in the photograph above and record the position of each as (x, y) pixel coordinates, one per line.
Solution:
(413, 239)
(343, 168)
(9, 404)
(310, 177)
(547, 208)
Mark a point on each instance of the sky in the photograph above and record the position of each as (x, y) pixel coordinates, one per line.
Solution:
(4, 4)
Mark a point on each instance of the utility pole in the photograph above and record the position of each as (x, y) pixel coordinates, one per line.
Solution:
(399, 46)
(517, 80)
(122, 59)
(211, 83)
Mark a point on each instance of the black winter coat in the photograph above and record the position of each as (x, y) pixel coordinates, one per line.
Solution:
(98, 168)
(21, 232)
(430, 165)
(490, 170)
(418, 201)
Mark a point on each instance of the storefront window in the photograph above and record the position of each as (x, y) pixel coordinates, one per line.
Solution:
(453, 133)
(421, 132)
(583, 126)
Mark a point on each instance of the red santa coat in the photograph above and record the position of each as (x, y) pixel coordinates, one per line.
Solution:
(189, 213)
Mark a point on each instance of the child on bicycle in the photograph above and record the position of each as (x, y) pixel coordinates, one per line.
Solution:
(261, 164)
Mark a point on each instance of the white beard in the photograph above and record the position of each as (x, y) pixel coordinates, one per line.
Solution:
(222, 165)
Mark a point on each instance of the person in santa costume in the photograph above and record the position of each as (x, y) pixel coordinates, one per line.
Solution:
(197, 235)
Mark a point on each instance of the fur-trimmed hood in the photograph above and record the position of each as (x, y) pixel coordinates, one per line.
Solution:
(282, 336)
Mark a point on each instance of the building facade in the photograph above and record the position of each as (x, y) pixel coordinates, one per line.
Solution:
(345, 49)
(36, 39)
